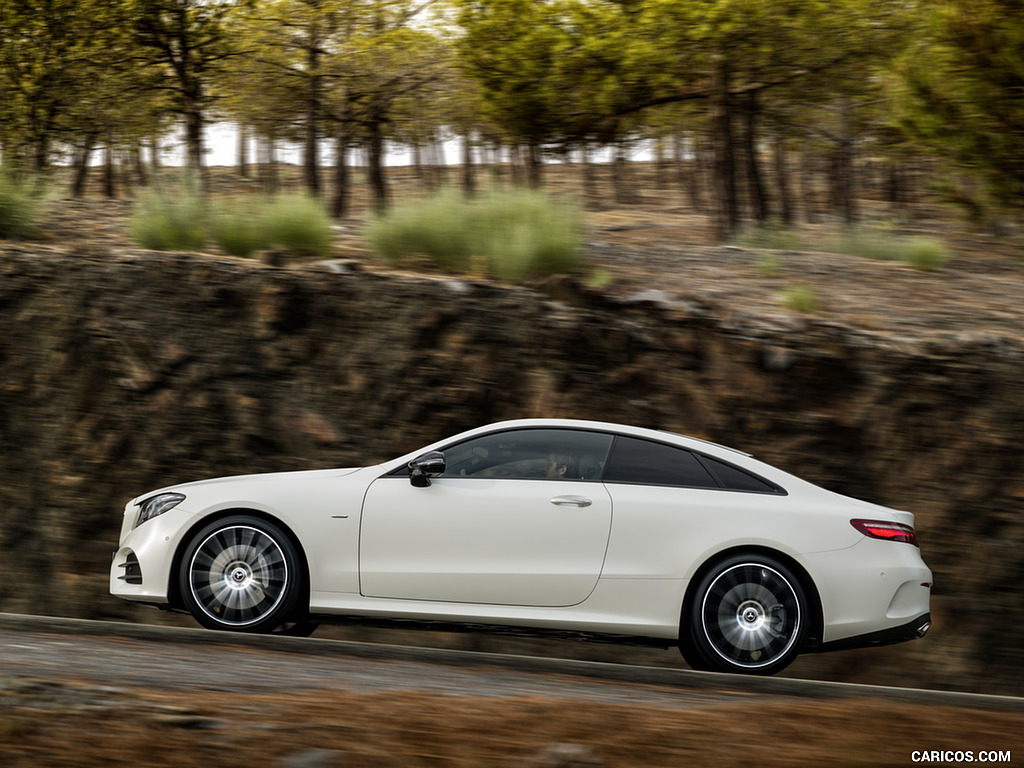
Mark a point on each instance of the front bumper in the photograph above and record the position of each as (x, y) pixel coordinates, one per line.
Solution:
(141, 566)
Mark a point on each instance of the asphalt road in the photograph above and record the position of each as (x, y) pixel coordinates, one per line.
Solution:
(126, 655)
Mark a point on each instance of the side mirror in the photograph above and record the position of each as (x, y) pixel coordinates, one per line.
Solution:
(424, 467)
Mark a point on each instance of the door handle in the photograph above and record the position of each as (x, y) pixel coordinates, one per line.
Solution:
(571, 501)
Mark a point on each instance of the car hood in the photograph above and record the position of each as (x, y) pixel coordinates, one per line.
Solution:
(306, 474)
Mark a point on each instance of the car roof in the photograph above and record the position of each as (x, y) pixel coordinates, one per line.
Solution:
(603, 426)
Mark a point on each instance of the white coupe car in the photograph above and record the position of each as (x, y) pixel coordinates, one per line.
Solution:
(536, 526)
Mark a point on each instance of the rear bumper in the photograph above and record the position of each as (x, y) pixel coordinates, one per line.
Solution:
(912, 630)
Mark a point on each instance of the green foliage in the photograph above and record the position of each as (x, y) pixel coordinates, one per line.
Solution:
(21, 208)
(526, 233)
(298, 224)
(800, 298)
(170, 220)
(772, 236)
(508, 235)
(238, 227)
(436, 228)
(879, 243)
(599, 278)
(925, 253)
(867, 243)
(961, 92)
(180, 220)
(769, 266)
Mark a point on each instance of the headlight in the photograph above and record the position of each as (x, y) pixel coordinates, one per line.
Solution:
(155, 506)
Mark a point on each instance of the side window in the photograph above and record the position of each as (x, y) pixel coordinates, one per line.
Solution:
(643, 461)
(736, 479)
(531, 453)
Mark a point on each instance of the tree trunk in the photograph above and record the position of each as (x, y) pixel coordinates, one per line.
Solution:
(417, 162)
(41, 154)
(468, 174)
(109, 183)
(194, 143)
(786, 215)
(496, 163)
(81, 166)
(661, 163)
(154, 152)
(807, 192)
(846, 182)
(243, 151)
(311, 156)
(137, 165)
(342, 178)
(688, 170)
(438, 164)
(756, 195)
(375, 172)
(621, 177)
(726, 215)
(268, 164)
(589, 174)
(534, 167)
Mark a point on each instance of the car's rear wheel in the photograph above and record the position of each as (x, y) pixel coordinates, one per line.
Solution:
(749, 614)
(244, 574)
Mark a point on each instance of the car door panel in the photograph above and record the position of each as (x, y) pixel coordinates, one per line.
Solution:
(499, 541)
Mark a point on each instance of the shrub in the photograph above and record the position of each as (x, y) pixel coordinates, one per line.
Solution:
(925, 253)
(180, 221)
(20, 208)
(508, 235)
(238, 227)
(162, 221)
(867, 243)
(298, 224)
(527, 233)
(769, 266)
(770, 236)
(800, 298)
(436, 228)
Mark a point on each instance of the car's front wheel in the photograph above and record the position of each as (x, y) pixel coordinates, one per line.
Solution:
(243, 574)
(749, 614)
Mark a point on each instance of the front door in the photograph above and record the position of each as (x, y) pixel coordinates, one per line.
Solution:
(501, 526)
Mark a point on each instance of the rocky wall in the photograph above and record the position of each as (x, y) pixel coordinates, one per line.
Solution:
(120, 376)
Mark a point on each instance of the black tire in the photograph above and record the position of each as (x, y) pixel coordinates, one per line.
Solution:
(244, 574)
(749, 615)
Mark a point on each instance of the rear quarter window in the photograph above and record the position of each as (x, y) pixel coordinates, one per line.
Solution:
(633, 460)
(735, 479)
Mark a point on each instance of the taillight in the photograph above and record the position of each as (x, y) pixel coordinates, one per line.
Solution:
(882, 529)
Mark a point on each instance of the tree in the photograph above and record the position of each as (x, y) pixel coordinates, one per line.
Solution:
(320, 68)
(963, 93)
(293, 51)
(572, 68)
(68, 83)
(389, 63)
(518, 52)
(45, 55)
(188, 40)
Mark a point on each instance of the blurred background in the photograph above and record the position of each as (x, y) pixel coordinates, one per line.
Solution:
(795, 231)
